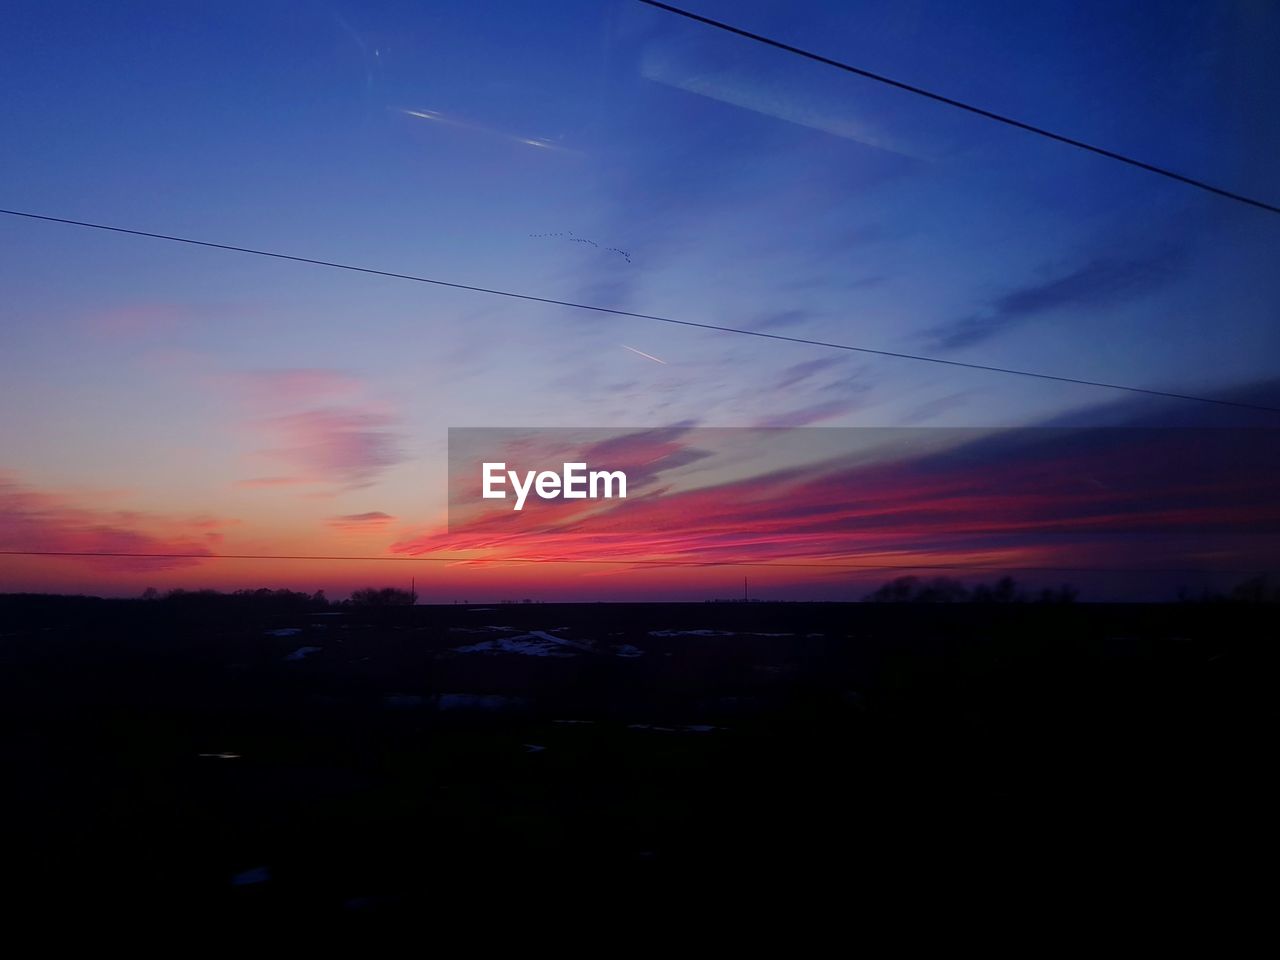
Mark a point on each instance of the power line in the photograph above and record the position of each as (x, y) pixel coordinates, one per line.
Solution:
(639, 316)
(801, 565)
(961, 105)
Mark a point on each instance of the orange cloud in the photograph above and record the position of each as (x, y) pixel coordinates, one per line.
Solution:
(35, 520)
(370, 522)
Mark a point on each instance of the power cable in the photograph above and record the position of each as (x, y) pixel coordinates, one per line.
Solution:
(961, 105)
(639, 316)
(615, 562)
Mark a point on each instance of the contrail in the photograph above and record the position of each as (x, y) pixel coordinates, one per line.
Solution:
(647, 356)
(439, 117)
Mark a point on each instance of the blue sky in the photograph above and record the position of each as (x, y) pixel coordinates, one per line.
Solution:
(614, 154)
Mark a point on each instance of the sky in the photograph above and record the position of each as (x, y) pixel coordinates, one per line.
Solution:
(162, 398)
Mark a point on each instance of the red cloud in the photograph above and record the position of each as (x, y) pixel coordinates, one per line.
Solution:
(35, 520)
(1042, 498)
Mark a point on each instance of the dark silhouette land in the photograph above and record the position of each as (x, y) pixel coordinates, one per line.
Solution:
(270, 754)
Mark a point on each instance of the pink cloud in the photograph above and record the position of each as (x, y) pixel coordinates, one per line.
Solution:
(203, 522)
(372, 521)
(272, 482)
(37, 520)
(284, 389)
(348, 447)
(319, 428)
(1039, 499)
(136, 320)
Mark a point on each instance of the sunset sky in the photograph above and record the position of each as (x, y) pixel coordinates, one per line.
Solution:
(163, 398)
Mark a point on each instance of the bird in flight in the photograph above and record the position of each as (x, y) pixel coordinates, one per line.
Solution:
(568, 235)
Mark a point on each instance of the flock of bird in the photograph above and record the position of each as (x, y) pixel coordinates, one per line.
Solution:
(568, 235)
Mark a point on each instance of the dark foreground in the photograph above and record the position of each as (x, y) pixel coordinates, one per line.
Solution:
(828, 759)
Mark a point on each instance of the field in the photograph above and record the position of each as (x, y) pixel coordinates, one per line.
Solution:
(223, 760)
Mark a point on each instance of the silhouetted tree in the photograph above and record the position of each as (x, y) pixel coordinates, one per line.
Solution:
(1004, 590)
(1254, 590)
(946, 590)
(913, 590)
(262, 603)
(1063, 594)
(381, 597)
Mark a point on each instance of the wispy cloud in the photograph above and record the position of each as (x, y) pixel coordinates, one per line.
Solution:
(814, 413)
(783, 318)
(646, 454)
(346, 447)
(1100, 282)
(1035, 498)
(799, 373)
(302, 386)
(320, 427)
(779, 96)
(816, 390)
(932, 408)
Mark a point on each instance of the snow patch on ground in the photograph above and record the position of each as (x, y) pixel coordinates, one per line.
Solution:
(691, 633)
(535, 643)
(303, 652)
(527, 646)
(285, 632)
(627, 650)
(717, 633)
